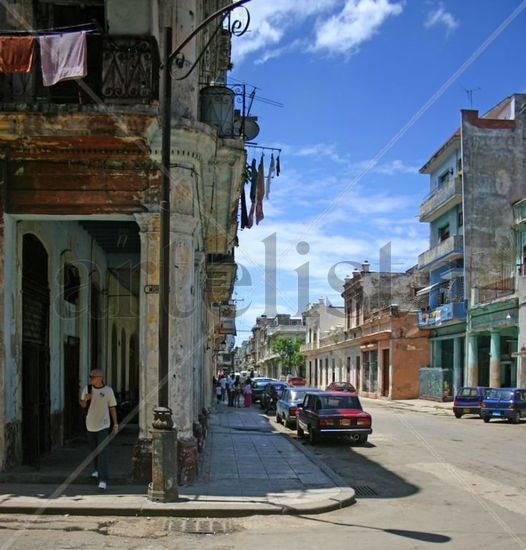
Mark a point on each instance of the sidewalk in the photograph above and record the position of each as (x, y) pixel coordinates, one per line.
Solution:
(247, 468)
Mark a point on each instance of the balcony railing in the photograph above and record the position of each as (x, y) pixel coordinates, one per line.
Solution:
(445, 251)
(441, 200)
(121, 69)
(455, 311)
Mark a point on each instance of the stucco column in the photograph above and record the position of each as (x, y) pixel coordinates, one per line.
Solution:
(473, 361)
(436, 361)
(148, 342)
(149, 320)
(494, 360)
(521, 359)
(457, 367)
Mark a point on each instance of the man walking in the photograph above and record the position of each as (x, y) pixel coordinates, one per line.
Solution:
(101, 402)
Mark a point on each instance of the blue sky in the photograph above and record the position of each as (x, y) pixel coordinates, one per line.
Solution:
(370, 90)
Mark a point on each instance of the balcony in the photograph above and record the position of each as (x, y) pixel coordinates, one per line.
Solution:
(445, 313)
(444, 252)
(121, 70)
(441, 200)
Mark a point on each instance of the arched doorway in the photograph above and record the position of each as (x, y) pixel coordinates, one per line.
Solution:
(35, 351)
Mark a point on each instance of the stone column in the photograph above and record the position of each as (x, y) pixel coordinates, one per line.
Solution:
(457, 367)
(437, 354)
(494, 360)
(472, 377)
(148, 342)
(182, 343)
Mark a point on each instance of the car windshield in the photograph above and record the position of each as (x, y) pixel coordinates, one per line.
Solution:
(340, 402)
(468, 392)
(504, 395)
(297, 395)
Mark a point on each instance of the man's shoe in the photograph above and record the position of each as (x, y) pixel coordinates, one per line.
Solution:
(102, 485)
(95, 474)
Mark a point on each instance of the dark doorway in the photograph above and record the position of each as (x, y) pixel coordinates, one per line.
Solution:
(94, 321)
(114, 364)
(123, 366)
(134, 369)
(358, 374)
(35, 351)
(73, 414)
(386, 379)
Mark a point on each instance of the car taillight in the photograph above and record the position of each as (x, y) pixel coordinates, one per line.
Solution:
(363, 422)
(513, 406)
(293, 410)
(482, 405)
(326, 422)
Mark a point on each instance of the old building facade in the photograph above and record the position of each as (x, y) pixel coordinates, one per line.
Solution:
(80, 170)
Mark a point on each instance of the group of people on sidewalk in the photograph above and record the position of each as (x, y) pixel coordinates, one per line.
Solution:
(231, 388)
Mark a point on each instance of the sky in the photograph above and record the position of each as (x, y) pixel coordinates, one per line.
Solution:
(358, 95)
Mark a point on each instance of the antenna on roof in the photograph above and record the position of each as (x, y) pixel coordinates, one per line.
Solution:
(469, 93)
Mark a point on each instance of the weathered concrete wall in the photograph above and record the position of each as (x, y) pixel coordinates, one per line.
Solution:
(494, 177)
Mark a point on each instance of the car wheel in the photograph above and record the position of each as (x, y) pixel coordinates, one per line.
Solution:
(300, 432)
(313, 436)
(458, 415)
(516, 418)
(362, 439)
(486, 419)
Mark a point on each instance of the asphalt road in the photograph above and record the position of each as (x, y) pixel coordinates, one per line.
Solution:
(422, 481)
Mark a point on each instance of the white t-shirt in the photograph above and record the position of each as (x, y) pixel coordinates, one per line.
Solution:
(98, 417)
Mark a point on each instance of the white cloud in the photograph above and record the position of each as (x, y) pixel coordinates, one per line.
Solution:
(440, 16)
(358, 21)
(272, 24)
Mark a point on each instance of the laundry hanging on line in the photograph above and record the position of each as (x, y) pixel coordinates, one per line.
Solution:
(16, 54)
(62, 56)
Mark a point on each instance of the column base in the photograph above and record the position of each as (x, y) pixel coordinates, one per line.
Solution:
(142, 461)
(187, 460)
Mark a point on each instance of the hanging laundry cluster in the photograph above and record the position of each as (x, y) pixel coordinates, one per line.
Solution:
(63, 56)
(255, 176)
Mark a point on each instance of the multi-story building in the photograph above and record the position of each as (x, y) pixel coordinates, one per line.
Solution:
(373, 342)
(80, 217)
(474, 211)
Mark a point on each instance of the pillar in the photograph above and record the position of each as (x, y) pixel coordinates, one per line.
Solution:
(183, 346)
(473, 361)
(457, 366)
(148, 342)
(436, 360)
(494, 360)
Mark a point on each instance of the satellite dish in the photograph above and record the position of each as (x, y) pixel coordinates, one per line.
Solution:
(250, 128)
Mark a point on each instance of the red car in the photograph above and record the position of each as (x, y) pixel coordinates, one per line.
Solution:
(340, 386)
(333, 414)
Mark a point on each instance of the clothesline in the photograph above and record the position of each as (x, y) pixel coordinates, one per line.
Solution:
(254, 146)
(54, 30)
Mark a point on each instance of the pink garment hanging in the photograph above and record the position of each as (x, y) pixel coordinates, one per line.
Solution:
(63, 57)
(260, 191)
(16, 53)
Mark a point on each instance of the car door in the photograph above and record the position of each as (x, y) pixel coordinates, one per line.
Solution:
(303, 413)
(281, 407)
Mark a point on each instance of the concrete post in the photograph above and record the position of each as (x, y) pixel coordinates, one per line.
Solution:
(163, 487)
(494, 360)
(457, 367)
(473, 366)
(436, 360)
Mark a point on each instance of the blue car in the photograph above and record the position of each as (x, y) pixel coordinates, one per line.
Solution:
(468, 400)
(509, 403)
(287, 406)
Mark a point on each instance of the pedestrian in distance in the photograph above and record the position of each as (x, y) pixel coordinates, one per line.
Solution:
(218, 392)
(247, 393)
(222, 381)
(100, 401)
(231, 389)
(237, 391)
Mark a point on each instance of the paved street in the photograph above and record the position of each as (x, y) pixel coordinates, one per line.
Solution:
(423, 480)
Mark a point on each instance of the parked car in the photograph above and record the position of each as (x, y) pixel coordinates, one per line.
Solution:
(340, 386)
(270, 396)
(296, 381)
(287, 405)
(468, 400)
(258, 387)
(507, 403)
(333, 414)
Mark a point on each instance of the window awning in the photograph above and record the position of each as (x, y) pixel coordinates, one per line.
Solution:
(428, 289)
